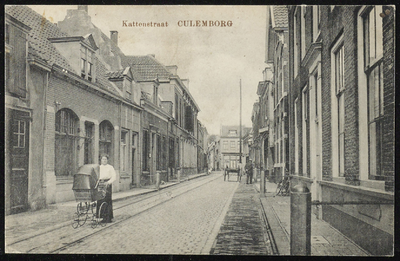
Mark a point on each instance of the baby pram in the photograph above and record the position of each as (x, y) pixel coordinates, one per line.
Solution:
(87, 190)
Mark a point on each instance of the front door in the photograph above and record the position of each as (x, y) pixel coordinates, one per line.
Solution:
(19, 160)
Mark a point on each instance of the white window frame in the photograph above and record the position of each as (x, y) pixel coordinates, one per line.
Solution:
(87, 58)
(335, 94)
(124, 152)
(225, 145)
(364, 69)
(296, 137)
(295, 45)
(303, 30)
(316, 22)
(305, 99)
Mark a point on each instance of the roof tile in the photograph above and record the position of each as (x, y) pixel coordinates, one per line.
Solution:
(146, 67)
(280, 15)
(40, 47)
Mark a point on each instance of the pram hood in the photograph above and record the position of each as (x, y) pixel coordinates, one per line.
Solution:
(86, 177)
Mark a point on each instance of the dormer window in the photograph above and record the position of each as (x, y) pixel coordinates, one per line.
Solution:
(232, 133)
(86, 63)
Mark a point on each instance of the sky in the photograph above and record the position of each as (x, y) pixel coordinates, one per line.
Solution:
(214, 59)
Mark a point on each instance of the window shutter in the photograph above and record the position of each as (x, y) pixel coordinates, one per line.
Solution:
(19, 74)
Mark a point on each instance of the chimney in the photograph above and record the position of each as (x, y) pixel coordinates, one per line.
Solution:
(172, 69)
(83, 8)
(114, 37)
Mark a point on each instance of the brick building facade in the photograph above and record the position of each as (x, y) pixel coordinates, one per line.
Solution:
(82, 97)
(342, 115)
(270, 115)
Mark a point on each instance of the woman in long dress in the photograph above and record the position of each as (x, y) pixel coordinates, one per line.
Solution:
(108, 175)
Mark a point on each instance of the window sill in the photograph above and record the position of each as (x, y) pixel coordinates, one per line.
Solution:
(341, 180)
(372, 192)
(373, 184)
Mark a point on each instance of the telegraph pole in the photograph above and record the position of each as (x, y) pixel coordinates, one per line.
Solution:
(240, 139)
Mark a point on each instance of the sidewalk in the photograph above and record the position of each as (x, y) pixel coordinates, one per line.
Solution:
(28, 224)
(325, 240)
(242, 231)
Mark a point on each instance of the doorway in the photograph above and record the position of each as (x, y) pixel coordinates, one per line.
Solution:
(19, 160)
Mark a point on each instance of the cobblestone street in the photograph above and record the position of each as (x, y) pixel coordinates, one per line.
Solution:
(183, 225)
(243, 231)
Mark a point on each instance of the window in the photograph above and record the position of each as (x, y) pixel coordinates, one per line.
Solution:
(373, 51)
(88, 150)
(297, 43)
(66, 122)
(225, 144)
(7, 34)
(83, 61)
(105, 140)
(66, 142)
(316, 22)
(178, 153)
(176, 107)
(158, 153)
(306, 108)
(233, 145)
(303, 32)
(339, 88)
(155, 94)
(87, 57)
(339, 70)
(296, 136)
(8, 69)
(232, 133)
(124, 153)
(164, 154)
(146, 140)
(316, 94)
(19, 134)
(90, 65)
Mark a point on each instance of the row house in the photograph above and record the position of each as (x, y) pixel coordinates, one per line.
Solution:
(167, 139)
(230, 145)
(255, 147)
(230, 141)
(341, 116)
(213, 154)
(247, 141)
(270, 117)
(62, 110)
(71, 95)
(185, 111)
(202, 136)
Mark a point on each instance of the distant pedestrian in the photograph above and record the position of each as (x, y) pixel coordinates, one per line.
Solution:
(226, 172)
(108, 175)
(249, 172)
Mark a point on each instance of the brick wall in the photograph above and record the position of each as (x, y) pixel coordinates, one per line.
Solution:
(326, 96)
(351, 153)
(83, 102)
(389, 106)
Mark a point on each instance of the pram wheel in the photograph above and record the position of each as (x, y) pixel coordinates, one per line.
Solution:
(79, 220)
(103, 213)
(82, 208)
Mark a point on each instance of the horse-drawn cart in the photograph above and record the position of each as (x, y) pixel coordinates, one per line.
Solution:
(237, 171)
